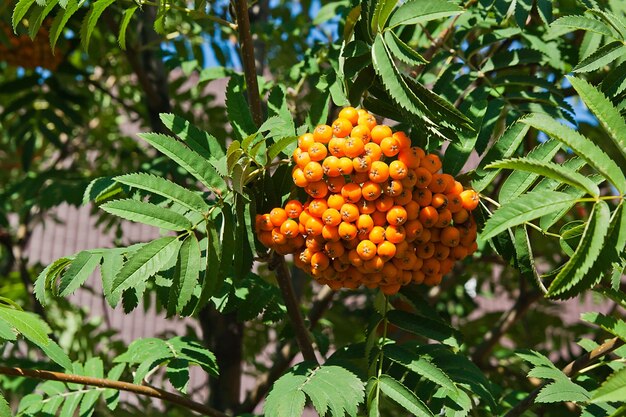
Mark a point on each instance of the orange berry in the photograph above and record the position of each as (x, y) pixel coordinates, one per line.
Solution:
(331, 217)
(373, 150)
(432, 280)
(298, 177)
(403, 140)
(446, 266)
(335, 201)
(460, 216)
(435, 234)
(390, 273)
(317, 207)
(322, 133)
(362, 163)
(371, 190)
(341, 127)
(293, 209)
(318, 189)
(396, 216)
(405, 197)
(351, 192)
(380, 132)
(418, 276)
(314, 226)
(305, 256)
(305, 141)
(366, 207)
(456, 188)
(390, 146)
(289, 228)
(379, 217)
(353, 147)
(278, 216)
(334, 249)
(395, 234)
(320, 261)
(390, 289)
(411, 157)
(386, 250)
(336, 147)
(422, 196)
(335, 184)
(367, 120)
(384, 203)
(423, 237)
(469, 199)
(412, 209)
(314, 243)
(341, 263)
(398, 170)
(431, 162)
(392, 188)
(428, 216)
(439, 183)
(455, 204)
(347, 230)
(425, 250)
(265, 237)
(450, 236)
(377, 234)
(349, 212)
(345, 165)
(350, 114)
(364, 224)
(441, 251)
(278, 237)
(313, 171)
(410, 180)
(362, 132)
(317, 151)
(265, 222)
(375, 264)
(458, 252)
(331, 233)
(413, 229)
(355, 258)
(439, 201)
(444, 219)
(423, 177)
(431, 266)
(359, 177)
(366, 249)
(301, 158)
(379, 172)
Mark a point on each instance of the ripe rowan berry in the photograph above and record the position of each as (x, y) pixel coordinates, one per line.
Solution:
(396, 216)
(353, 147)
(439, 201)
(386, 250)
(336, 147)
(450, 236)
(323, 133)
(293, 208)
(431, 162)
(384, 203)
(371, 190)
(362, 163)
(331, 233)
(298, 177)
(341, 127)
(345, 165)
(351, 192)
(289, 228)
(367, 120)
(380, 132)
(469, 199)
(278, 216)
(379, 172)
(390, 146)
(335, 184)
(331, 217)
(347, 230)
(349, 212)
(428, 216)
(366, 249)
(317, 151)
(335, 201)
(373, 150)
(395, 234)
(377, 234)
(362, 132)
(313, 172)
(305, 141)
(318, 189)
(350, 114)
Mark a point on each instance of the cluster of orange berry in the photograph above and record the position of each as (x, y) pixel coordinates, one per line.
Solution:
(26, 53)
(379, 212)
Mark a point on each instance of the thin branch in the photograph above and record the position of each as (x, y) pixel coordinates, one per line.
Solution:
(571, 370)
(144, 390)
(303, 337)
(247, 58)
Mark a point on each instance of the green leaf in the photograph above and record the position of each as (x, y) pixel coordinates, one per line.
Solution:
(588, 250)
(550, 170)
(5, 410)
(111, 264)
(607, 114)
(613, 325)
(178, 374)
(47, 276)
(80, 269)
(561, 391)
(165, 188)
(519, 182)
(147, 213)
(582, 146)
(37, 17)
(603, 56)
(584, 23)
(91, 19)
(425, 327)
(400, 394)
(613, 389)
(27, 324)
(20, 10)
(614, 83)
(197, 139)
(421, 365)
(55, 353)
(7, 332)
(238, 111)
(502, 148)
(126, 17)
(144, 263)
(190, 160)
(524, 208)
(420, 11)
(381, 14)
(186, 274)
(286, 399)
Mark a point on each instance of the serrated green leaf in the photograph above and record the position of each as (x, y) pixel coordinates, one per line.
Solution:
(111, 264)
(420, 365)
(283, 145)
(20, 10)
(5, 410)
(400, 394)
(126, 17)
(502, 148)
(603, 56)
(190, 160)
(186, 275)
(607, 114)
(561, 391)
(584, 23)
(582, 146)
(47, 276)
(420, 11)
(197, 139)
(519, 182)
(515, 57)
(524, 208)
(425, 327)
(381, 14)
(70, 405)
(238, 111)
(178, 374)
(80, 269)
(55, 353)
(614, 83)
(91, 19)
(37, 17)
(147, 213)
(613, 389)
(550, 170)
(27, 324)
(613, 325)
(165, 188)
(7, 332)
(146, 262)
(586, 252)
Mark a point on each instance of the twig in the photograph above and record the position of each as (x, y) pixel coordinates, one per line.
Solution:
(144, 390)
(570, 370)
(247, 59)
(303, 337)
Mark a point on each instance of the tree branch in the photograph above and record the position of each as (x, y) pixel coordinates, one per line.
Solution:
(570, 370)
(117, 385)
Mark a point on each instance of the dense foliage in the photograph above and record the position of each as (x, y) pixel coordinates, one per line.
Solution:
(524, 101)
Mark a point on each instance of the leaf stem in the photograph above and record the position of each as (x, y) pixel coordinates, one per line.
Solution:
(144, 390)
